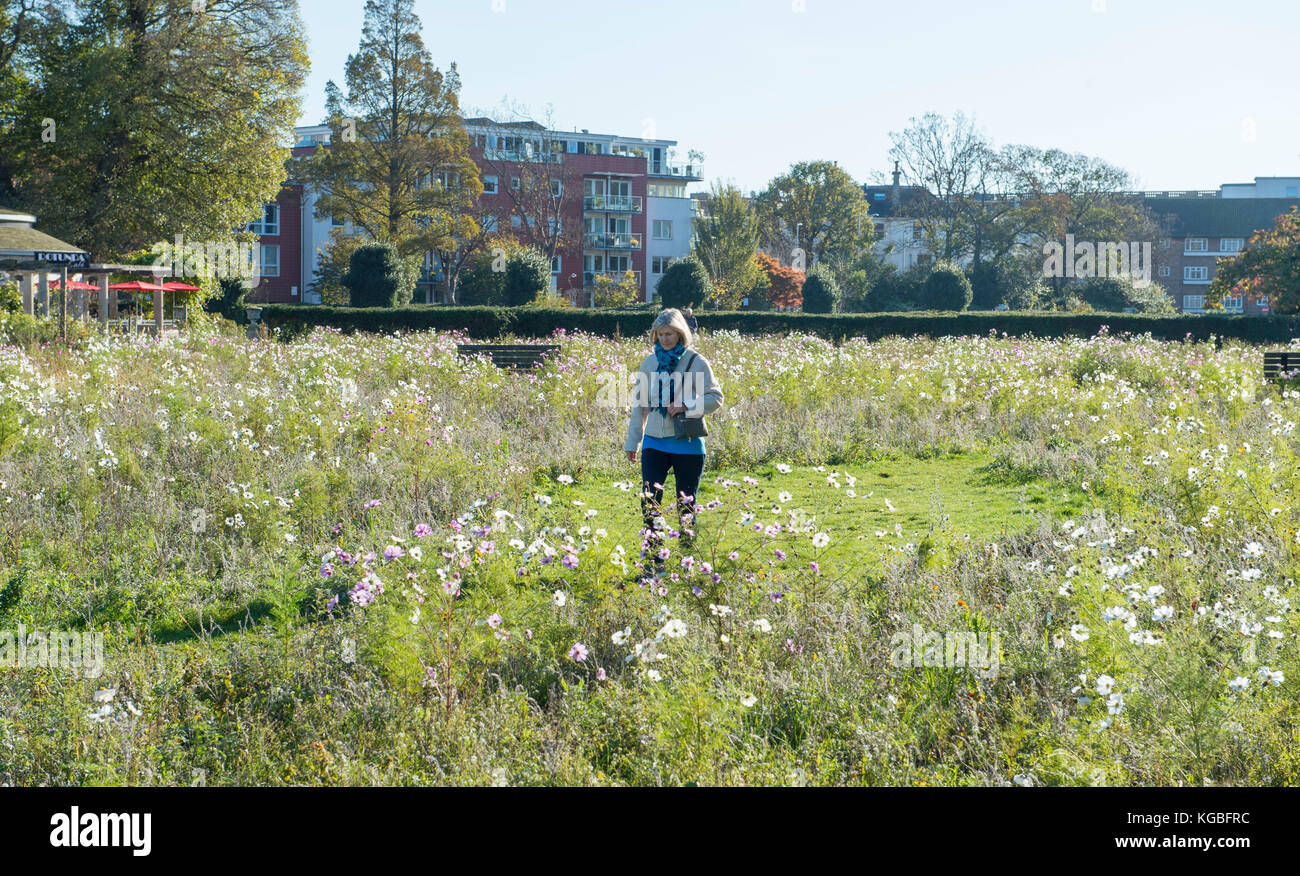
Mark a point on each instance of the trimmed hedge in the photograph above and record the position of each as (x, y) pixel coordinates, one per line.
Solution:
(495, 322)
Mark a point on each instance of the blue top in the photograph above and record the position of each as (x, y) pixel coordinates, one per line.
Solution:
(693, 446)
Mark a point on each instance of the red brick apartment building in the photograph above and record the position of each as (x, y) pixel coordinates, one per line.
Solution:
(1205, 226)
(627, 204)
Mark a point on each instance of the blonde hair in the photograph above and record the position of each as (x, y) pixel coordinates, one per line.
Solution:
(672, 318)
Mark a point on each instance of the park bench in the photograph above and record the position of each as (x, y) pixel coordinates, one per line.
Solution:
(1278, 363)
(517, 357)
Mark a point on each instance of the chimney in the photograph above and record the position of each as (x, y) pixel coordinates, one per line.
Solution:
(894, 195)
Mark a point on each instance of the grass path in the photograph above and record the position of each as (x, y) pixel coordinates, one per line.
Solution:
(966, 493)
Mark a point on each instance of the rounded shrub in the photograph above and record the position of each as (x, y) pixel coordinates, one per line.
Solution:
(378, 276)
(821, 293)
(684, 284)
(947, 288)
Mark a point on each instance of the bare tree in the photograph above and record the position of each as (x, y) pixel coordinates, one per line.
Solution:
(543, 187)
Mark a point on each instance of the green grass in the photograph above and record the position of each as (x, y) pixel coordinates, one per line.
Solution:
(967, 494)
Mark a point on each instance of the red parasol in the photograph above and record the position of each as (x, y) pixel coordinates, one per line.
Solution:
(180, 287)
(137, 286)
(75, 284)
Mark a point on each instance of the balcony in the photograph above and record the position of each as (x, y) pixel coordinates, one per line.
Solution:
(492, 153)
(589, 278)
(677, 171)
(612, 203)
(613, 240)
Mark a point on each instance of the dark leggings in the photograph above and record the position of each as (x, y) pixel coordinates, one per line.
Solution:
(654, 470)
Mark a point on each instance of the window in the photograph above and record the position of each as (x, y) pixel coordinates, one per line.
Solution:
(269, 226)
(916, 231)
(270, 261)
(489, 224)
(1163, 271)
(336, 222)
(1164, 243)
(659, 264)
(1231, 244)
(515, 223)
(880, 229)
(879, 196)
(663, 229)
(514, 183)
(666, 190)
(1292, 191)
(1193, 303)
(1196, 273)
(489, 185)
(1197, 244)
(1232, 302)
(923, 259)
(448, 179)
(555, 265)
(557, 188)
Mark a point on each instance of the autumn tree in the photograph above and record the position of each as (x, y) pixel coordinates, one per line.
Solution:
(164, 117)
(1269, 267)
(726, 238)
(784, 286)
(818, 208)
(397, 166)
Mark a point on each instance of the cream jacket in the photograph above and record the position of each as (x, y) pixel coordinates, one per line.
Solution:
(701, 393)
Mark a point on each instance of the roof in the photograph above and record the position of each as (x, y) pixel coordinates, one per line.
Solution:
(17, 239)
(484, 122)
(909, 197)
(1218, 217)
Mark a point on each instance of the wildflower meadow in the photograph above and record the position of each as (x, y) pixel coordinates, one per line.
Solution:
(361, 559)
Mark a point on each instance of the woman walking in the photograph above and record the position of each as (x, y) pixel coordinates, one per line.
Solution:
(674, 382)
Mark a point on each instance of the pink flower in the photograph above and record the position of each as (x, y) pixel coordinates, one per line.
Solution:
(423, 530)
(578, 652)
(600, 674)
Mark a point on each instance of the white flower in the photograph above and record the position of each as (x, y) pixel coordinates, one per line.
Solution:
(653, 674)
(1163, 613)
(621, 636)
(719, 610)
(820, 540)
(1115, 704)
(105, 694)
(762, 625)
(1239, 683)
(784, 496)
(1079, 633)
(674, 629)
(565, 479)
(783, 468)
(559, 598)
(1271, 676)
(1253, 549)
(1105, 684)
(748, 701)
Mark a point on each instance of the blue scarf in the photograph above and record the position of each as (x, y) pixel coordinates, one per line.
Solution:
(668, 360)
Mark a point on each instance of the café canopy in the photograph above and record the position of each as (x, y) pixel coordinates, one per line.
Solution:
(33, 255)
